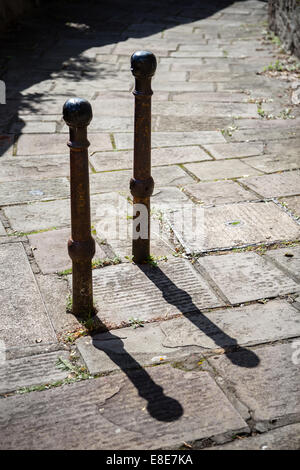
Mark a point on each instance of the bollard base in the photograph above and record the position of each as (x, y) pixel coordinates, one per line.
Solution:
(82, 305)
(141, 251)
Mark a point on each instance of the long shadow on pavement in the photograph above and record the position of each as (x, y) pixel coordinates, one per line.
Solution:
(184, 303)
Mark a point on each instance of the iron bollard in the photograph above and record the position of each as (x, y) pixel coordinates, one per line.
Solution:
(143, 66)
(77, 114)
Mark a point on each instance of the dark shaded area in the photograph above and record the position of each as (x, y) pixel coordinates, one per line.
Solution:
(48, 40)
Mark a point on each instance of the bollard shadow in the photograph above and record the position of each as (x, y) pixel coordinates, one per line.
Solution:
(160, 406)
(47, 43)
(184, 303)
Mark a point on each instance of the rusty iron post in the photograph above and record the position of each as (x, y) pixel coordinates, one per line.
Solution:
(143, 66)
(77, 114)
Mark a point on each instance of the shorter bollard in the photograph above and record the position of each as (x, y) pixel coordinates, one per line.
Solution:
(143, 66)
(77, 114)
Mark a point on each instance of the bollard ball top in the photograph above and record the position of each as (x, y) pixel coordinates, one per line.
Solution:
(77, 112)
(143, 64)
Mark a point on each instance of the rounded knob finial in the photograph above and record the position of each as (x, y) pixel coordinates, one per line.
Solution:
(77, 112)
(143, 64)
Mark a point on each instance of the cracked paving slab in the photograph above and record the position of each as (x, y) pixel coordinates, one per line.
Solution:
(152, 408)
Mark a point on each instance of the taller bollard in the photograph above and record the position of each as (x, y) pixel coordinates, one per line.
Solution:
(77, 114)
(143, 66)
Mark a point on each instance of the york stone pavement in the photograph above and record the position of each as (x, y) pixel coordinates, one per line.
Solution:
(200, 347)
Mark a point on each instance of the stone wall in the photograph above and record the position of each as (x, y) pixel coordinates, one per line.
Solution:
(284, 21)
(11, 9)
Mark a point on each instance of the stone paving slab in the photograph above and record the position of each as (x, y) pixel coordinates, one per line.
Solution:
(150, 409)
(273, 163)
(270, 390)
(30, 127)
(252, 135)
(150, 293)
(39, 215)
(75, 88)
(221, 169)
(276, 185)
(191, 109)
(230, 225)
(279, 124)
(181, 86)
(216, 76)
(173, 123)
(219, 192)
(26, 118)
(55, 144)
(119, 180)
(13, 192)
(243, 277)
(234, 150)
(284, 438)
(190, 64)
(55, 214)
(293, 204)
(110, 124)
(246, 82)
(18, 352)
(195, 334)
(23, 318)
(287, 258)
(32, 370)
(103, 161)
(285, 146)
(207, 97)
(113, 108)
(34, 167)
(171, 139)
(49, 105)
(51, 252)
